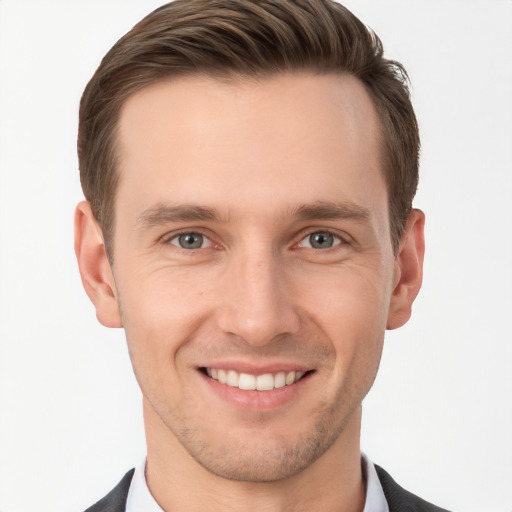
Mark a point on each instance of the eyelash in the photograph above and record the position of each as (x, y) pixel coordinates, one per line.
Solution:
(168, 239)
(338, 239)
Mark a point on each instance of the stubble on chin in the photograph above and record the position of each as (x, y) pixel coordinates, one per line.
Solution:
(262, 456)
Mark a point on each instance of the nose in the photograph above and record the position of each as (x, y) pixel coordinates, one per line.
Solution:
(257, 304)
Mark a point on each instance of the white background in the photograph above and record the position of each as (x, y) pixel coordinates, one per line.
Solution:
(439, 417)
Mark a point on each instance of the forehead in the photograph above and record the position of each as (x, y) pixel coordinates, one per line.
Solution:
(289, 138)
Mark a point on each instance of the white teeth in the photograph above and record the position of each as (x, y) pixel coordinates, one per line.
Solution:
(290, 378)
(232, 379)
(246, 381)
(265, 382)
(280, 380)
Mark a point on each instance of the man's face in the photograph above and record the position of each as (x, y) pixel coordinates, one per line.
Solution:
(252, 244)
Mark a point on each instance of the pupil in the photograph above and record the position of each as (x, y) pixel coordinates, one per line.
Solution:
(321, 240)
(191, 241)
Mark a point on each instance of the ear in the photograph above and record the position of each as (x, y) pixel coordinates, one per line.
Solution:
(408, 270)
(94, 266)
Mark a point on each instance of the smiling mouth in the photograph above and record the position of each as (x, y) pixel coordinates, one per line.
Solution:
(248, 382)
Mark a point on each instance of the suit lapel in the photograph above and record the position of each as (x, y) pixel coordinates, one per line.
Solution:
(115, 500)
(400, 500)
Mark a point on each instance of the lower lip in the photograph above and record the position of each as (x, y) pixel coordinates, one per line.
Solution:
(257, 400)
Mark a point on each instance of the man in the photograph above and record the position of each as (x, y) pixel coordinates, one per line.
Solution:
(249, 169)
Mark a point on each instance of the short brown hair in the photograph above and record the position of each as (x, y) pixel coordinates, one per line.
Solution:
(245, 37)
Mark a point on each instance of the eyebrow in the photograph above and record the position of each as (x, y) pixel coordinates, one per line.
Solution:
(318, 210)
(162, 214)
(330, 210)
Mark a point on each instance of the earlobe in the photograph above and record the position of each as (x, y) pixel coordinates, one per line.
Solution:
(94, 266)
(408, 270)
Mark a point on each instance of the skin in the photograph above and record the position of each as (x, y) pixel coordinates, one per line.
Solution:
(255, 168)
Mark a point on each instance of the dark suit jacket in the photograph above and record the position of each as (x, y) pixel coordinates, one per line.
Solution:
(399, 500)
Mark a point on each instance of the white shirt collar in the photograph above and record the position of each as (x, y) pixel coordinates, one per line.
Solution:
(375, 499)
(141, 500)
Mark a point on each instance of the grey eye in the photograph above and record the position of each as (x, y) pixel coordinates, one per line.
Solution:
(320, 240)
(189, 240)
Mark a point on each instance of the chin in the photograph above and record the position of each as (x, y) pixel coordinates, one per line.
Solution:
(263, 458)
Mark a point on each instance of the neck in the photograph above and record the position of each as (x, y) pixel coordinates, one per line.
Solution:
(178, 482)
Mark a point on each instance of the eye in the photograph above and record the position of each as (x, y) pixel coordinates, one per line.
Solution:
(320, 240)
(190, 241)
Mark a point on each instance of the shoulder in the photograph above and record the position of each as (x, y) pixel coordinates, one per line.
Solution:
(400, 500)
(115, 500)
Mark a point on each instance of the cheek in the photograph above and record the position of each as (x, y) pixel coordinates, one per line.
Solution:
(346, 296)
(164, 300)
(350, 307)
(161, 312)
